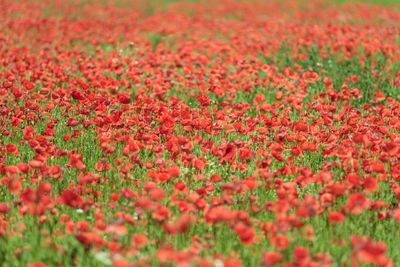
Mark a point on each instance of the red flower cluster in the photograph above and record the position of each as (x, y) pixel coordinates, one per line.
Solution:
(231, 134)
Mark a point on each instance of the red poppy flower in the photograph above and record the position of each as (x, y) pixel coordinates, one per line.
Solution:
(72, 199)
(199, 163)
(124, 98)
(139, 240)
(77, 95)
(336, 217)
(37, 264)
(245, 233)
(203, 100)
(271, 258)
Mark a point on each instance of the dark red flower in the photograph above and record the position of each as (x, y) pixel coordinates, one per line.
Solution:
(124, 98)
(77, 95)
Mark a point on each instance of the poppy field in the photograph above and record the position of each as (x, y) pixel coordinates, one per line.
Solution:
(199, 133)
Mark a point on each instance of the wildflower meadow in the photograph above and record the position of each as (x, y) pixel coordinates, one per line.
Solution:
(210, 133)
